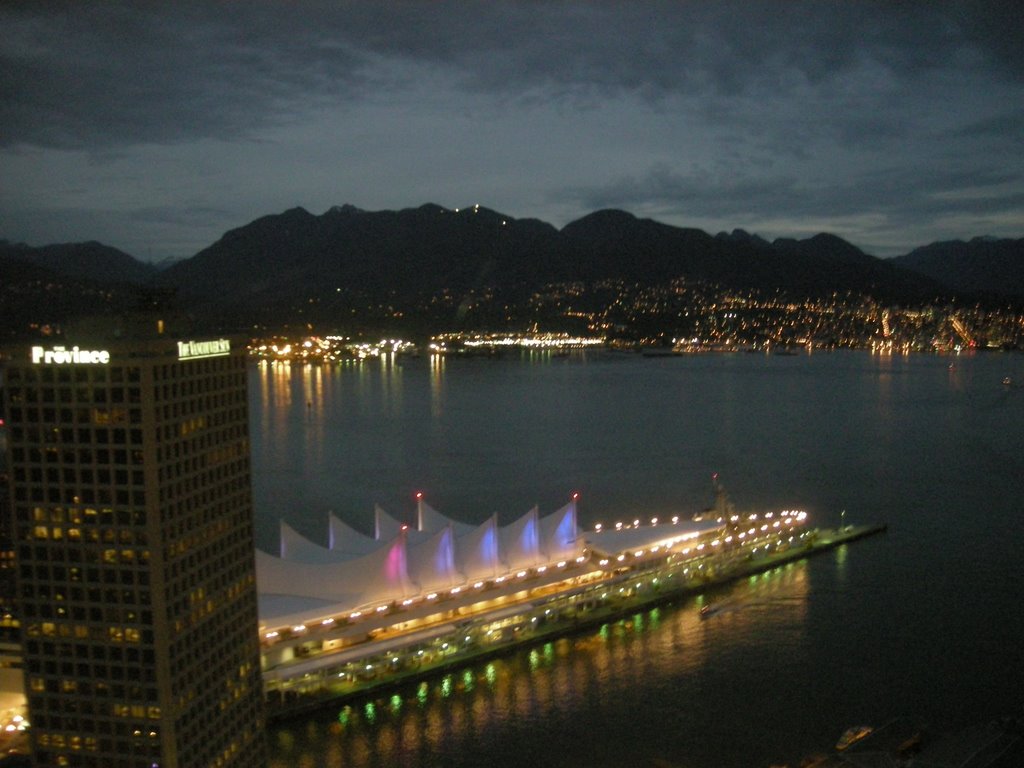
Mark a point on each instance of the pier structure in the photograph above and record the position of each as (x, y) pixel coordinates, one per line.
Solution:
(436, 600)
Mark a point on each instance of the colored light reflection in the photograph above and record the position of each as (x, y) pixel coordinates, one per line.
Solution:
(560, 676)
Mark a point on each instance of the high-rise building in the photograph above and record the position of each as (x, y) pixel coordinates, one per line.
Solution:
(11, 688)
(9, 637)
(130, 493)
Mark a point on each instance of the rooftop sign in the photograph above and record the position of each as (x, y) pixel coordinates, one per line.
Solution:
(195, 350)
(73, 356)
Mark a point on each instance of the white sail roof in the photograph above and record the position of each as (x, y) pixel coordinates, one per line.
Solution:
(378, 577)
(431, 564)
(429, 519)
(295, 546)
(478, 553)
(291, 610)
(519, 542)
(559, 534)
(346, 540)
(357, 572)
(385, 526)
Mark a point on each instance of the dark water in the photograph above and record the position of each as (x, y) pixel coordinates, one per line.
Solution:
(925, 621)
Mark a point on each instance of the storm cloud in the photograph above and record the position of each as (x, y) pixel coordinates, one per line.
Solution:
(155, 127)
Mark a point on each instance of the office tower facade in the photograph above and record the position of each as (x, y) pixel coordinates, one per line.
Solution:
(131, 501)
(10, 638)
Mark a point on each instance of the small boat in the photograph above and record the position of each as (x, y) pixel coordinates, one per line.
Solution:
(852, 735)
(1007, 382)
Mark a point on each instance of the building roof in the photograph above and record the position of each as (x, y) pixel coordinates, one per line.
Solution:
(357, 573)
(634, 538)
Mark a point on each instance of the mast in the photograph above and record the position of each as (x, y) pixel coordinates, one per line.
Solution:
(723, 506)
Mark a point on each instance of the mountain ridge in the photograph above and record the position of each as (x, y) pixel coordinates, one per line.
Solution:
(982, 263)
(89, 260)
(434, 262)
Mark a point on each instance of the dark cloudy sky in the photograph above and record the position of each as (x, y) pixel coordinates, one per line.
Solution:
(157, 126)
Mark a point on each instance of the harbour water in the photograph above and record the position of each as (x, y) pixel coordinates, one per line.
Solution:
(923, 622)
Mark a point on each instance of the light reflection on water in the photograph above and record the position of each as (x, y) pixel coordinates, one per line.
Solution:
(435, 721)
(923, 622)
